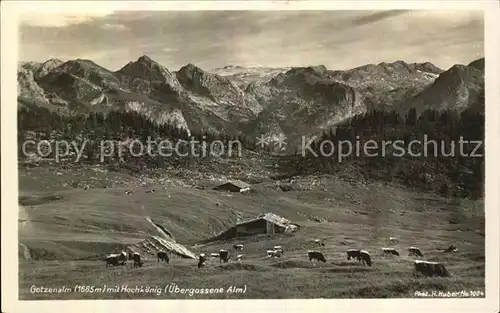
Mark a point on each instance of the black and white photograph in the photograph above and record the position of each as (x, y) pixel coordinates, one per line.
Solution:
(217, 154)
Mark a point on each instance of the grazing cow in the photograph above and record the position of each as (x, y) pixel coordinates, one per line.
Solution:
(122, 257)
(430, 269)
(441, 270)
(393, 240)
(390, 251)
(238, 247)
(319, 242)
(223, 256)
(214, 255)
(273, 253)
(163, 256)
(239, 257)
(112, 259)
(128, 192)
(201, 260)
(414, 251)
(279, 249)
(137, 260)
(276, 253)
(150, 191)
(365, 257)
(315, 255)
(353, 253)
(451, 248)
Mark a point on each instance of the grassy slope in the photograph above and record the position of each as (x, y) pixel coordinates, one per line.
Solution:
(65, 236)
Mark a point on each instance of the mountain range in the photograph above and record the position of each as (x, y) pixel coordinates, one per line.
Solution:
(290, 102)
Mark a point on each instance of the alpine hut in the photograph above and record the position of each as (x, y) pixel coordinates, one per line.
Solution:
(265, 223)
(234, 186)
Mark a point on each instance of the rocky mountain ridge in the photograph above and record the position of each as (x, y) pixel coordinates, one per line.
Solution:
(279, 102)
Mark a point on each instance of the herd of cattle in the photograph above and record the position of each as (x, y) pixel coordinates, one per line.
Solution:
(121, 258)
(426, 268)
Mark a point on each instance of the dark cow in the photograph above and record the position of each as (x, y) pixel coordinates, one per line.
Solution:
(238, 247)
(112, 259)
(430, 269)
(365, 257)
(137, 260)
(163, 256)
(223, 256)
(316, 255)
(414, 251)
(353, 253)
(451, 248)
(390, 251)
(201, 260)
(441, 270)
(121, 257)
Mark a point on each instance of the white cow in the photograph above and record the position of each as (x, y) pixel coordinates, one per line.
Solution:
(279, 249)
(319, 242)
(274, 253)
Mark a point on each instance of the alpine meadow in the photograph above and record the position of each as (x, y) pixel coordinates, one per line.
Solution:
(251, 155)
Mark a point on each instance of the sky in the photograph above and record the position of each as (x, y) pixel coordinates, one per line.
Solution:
(213, 39)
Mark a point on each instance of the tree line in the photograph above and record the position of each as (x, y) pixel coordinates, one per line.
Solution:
(119, 126)
(453, 172)
(449, 156)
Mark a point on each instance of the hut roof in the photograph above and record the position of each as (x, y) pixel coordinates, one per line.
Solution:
(270, 217)
(239, 183)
